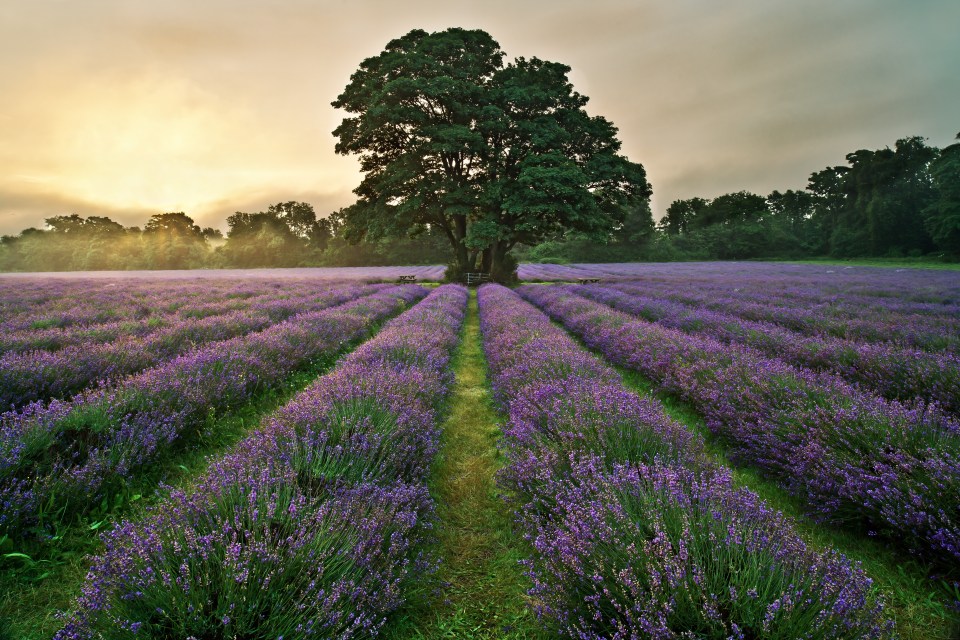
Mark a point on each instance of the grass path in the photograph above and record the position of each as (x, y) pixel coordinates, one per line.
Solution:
(484, 589)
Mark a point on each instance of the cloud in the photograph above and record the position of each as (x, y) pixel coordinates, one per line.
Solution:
(211, 107)
(24, 208)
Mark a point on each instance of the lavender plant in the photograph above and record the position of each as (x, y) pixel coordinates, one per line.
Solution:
(317, 525)
(663, 551)
(72, 454)
(896, 372)
(634, 532)
(890, 467)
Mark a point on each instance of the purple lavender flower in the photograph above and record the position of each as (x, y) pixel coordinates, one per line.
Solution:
(853, 456)
(78, 452)
(634, 532)
(318, 524)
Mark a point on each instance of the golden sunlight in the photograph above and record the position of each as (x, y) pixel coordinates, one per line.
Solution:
(161, 143)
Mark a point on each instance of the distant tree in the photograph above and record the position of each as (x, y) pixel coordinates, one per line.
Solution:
(175, 224)
(791, 213)
(174, 241)
(71, 242)
(680, 213)
(733, 208)
(490, 155)
(830, 207)
(299, 217)
(110, 246)
(76, 243)
(888, 192)
(67, 224)
(322, 234)
(943, 215)
(792, 208)
(637, 227)
(103, 226)
(209, 233)
(281, 236)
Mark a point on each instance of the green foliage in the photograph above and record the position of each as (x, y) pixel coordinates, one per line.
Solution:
(350, 423)
(492, 155)
(74, 243)
(876, 205)
(261, 240)
(173, 241)
(629, 242)
(513, 166)
(943, 221)
(886, 203)
(288, 234)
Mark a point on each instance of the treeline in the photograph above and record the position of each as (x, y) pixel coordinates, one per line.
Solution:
(900, 202)
(287, 234)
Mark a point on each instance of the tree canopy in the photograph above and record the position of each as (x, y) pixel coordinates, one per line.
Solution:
(943, 213)
(897, 202)
(492, 155)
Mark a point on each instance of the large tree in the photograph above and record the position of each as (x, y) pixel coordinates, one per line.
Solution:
(492, 155)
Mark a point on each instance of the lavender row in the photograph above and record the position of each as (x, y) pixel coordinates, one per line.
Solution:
(634, 533)
(836, 315)
(932, 333)
(831, 312)
(916, 285)
(894, 372)
(922, 299)
(852, 456)
(848, 301)
(316, 526)
(41, 375)
(86, 303)
(71, 454)
(140, 310)
(388, 274)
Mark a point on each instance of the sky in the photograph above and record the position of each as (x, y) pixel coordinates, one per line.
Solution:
(131, 108)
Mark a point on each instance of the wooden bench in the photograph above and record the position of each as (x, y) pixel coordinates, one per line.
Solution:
(406, 278)
(588, 280)
(476, 278)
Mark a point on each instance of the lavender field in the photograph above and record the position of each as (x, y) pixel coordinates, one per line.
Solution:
(691, 450)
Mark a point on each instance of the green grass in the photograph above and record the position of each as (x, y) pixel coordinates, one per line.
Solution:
(914, 596)
(482, 594)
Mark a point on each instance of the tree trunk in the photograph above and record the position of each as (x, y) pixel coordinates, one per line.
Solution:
(485, 260)
(502, 265)
(461, 262)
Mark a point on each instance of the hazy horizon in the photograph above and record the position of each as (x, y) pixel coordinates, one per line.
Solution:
(127, 109)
